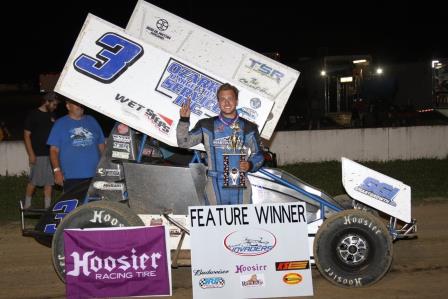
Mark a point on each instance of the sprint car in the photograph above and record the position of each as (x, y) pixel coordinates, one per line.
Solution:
(351, 236)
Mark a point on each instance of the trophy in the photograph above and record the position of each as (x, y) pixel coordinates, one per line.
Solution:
(234, 178)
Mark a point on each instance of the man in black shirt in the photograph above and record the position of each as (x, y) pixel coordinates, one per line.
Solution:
(37, 127)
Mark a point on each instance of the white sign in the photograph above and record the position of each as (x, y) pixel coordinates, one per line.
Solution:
(238, 65)
(250, 251)
(140, 85)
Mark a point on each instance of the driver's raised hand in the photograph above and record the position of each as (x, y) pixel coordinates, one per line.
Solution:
(185, 109)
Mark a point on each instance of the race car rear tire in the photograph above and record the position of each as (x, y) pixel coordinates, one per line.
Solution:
(353, 249)
(94, 214)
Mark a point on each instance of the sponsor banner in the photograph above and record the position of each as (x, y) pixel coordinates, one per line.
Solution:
(234, 63)
(117, 262)
(253, 251)
(377, 190)
(143, 86)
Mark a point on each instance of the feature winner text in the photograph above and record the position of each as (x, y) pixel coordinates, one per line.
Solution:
(247, 214)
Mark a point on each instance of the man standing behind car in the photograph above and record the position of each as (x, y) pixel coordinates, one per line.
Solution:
(76, 144)
(37, 127)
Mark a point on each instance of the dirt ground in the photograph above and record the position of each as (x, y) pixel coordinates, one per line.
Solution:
(419, 270)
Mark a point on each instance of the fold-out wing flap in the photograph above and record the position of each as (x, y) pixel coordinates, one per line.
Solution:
(377, 190)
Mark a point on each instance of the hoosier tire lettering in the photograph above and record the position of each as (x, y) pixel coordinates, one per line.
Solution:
(350, 219)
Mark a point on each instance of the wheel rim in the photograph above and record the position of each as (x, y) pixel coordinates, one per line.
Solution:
(352, 249)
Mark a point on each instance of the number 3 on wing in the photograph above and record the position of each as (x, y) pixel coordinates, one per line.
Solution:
(117, 55)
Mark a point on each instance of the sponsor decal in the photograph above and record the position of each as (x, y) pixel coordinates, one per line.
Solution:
(221, 142)
(114, 267)
(199, 272)
(265, 70)
(255, 103)
(120, 155)
(122, 129)
(250, 242)
(101, 185)
(250, 268)
(247, 113)
(252, 280)
(378, 190)
(122, 146)
(109, 171)
(292, 278)
(121, 138)
(162, 24)
(292, 265)
(175, 232)
(156, 221)
(180, 81)
(158, 32)
(212, 282)
(255, 85)
(162, 122)
(342, 280)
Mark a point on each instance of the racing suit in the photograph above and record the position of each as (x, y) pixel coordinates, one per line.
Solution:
(214, 133)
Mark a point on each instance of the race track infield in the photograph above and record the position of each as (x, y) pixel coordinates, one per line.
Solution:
(419, 269)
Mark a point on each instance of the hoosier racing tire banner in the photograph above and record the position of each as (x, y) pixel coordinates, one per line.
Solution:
(117, 262)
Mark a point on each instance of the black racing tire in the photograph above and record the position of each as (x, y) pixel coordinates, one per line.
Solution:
(105, 213)
(349, 203)
(353, 249)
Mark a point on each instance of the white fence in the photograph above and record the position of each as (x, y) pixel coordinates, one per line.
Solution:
(381, 144)
(13, 158)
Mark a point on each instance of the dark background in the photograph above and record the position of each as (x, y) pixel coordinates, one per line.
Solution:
(37, 36)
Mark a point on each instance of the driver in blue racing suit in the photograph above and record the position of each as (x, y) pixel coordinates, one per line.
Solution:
(219, 135)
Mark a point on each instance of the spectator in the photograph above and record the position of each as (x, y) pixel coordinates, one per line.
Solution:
(4, 132)
(76, 144)
(37, 127)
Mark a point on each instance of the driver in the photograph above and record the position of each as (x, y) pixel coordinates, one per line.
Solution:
(225, 133)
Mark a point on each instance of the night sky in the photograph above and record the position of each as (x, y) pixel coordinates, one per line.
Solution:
(38, 38)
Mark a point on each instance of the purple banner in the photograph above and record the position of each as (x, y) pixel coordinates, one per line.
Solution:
(117, 262)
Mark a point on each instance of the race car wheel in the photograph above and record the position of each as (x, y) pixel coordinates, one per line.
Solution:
(94, 214)
(353, 249)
